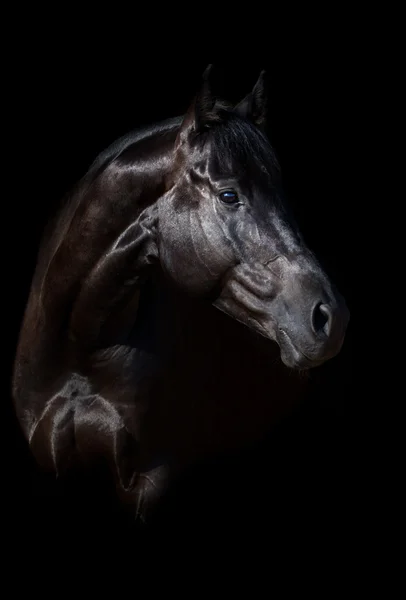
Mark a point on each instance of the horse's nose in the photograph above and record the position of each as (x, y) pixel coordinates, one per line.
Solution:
(322, 319)
(329, 321)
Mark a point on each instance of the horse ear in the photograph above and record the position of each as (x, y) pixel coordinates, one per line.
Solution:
(254, 105)
(201, 112)
(204, 102)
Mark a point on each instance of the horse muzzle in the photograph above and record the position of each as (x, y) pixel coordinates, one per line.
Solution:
(312, 333)
(299, 309)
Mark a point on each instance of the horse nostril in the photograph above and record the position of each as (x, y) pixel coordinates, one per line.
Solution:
(322, 318)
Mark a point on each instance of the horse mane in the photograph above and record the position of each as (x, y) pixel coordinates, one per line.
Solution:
(235, 136)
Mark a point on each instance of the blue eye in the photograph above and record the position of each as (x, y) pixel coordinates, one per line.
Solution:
(229, 197)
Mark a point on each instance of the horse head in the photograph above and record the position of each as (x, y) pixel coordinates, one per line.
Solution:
(227, 234)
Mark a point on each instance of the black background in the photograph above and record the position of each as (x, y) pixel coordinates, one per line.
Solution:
(67, 109)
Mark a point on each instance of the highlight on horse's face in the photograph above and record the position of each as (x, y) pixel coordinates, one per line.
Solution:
(226, 233)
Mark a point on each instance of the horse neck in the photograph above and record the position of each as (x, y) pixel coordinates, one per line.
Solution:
(142, 158)
(129, 177)
(145, 163)
(130, 174)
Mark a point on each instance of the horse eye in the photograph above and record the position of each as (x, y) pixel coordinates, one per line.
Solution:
(229, 197)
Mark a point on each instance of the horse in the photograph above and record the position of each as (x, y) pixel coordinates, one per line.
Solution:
(171, 289)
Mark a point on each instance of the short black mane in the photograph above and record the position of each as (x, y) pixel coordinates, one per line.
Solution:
(235, 138)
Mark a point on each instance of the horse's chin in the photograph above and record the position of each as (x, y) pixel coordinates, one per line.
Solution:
(292, 357)
(298, 361)
(290, 353)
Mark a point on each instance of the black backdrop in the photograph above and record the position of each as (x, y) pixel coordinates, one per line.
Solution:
(68, 109)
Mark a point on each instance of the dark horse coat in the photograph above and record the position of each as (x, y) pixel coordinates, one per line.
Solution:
(123, 354)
